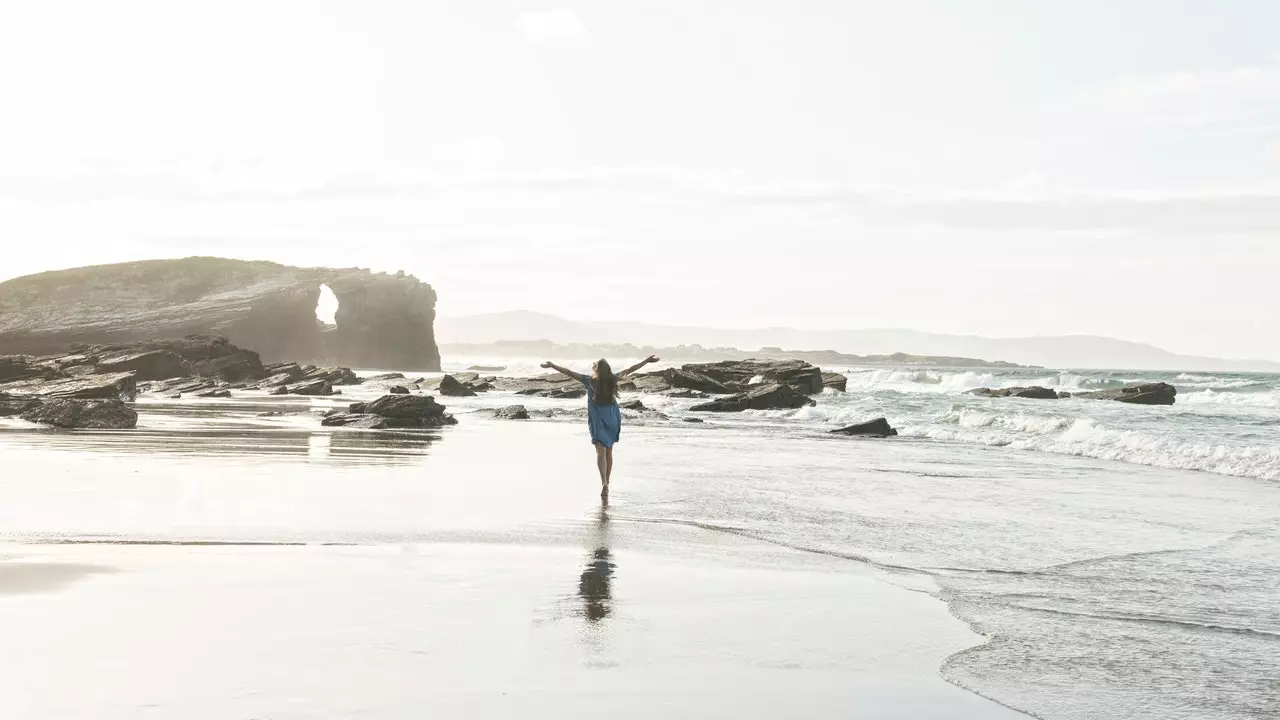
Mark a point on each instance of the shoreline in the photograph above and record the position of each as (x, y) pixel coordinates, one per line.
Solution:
(487, 629)
(717, 624)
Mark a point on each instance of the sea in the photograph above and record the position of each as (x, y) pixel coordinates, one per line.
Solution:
(1119, 561)
(1123, 560)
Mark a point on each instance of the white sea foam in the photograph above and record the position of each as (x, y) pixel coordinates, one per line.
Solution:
(1087, 437)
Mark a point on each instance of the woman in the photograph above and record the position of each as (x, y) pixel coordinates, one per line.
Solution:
(604, 419)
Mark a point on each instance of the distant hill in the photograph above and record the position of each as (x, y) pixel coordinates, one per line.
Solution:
(1062, 351)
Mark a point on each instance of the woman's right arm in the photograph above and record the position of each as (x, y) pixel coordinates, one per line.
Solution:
(562, 370)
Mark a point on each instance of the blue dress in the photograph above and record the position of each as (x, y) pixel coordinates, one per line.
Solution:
(604, 421)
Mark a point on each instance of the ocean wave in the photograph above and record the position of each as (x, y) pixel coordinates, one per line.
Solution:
(1210, 396)
(1086, 437)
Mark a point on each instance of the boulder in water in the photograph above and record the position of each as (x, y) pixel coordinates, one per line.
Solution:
(86, 414)
(398, 390)
(215, 393)
(878, 427)
(315, 388)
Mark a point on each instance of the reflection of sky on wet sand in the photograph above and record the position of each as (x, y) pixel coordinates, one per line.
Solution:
(205, 429)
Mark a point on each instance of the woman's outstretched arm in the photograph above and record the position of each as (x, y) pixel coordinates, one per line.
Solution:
(637, 366)
(561, 369)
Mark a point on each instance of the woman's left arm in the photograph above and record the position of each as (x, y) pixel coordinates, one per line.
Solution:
(637, 366)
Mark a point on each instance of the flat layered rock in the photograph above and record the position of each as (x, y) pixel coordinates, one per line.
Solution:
(86, 414)
(1147, 394)
(772, 396)
(1034, 392)
(360, 421)
(109, 386)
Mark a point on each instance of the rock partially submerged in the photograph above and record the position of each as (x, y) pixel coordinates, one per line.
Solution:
(773, 396)
(394, 411)
(512, 412)
(86, 414)
(1146, 394)
(878, 427)
(1034, 392)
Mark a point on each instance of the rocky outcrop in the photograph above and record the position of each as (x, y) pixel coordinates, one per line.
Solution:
(393, 411)
(382, 320)
(1147, 394)
(736, 376)
(878, 427)
(88, 414)
(549, 386)
(772, 396)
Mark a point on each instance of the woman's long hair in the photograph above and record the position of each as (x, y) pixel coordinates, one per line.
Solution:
(605, 383)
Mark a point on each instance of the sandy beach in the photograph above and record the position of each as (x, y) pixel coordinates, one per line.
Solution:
(475, 576)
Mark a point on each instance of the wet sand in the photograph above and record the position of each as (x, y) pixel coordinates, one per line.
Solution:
(479, 580)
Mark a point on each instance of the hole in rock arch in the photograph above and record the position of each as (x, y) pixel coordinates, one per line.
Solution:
(327, 306)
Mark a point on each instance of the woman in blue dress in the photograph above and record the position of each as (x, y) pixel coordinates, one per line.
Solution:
(604, 419)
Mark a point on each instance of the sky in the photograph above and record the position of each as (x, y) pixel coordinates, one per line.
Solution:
(986, 167)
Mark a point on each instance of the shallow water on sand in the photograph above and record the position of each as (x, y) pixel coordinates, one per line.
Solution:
(1106, 589)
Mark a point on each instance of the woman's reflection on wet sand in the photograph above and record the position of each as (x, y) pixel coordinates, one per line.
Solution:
(595, 585)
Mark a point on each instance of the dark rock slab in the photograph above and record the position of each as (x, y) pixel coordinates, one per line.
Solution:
(109, 386)
(314, 388)
(452, 387)
(215, 393)
(89, 414)
(398, 390)
(407, 411)
(635, 405)
(878, 427)
(835, 381)
(280, 390)
(693, 420)
(512, 412)
(1034, 392)
(144, 364)
(360, 421)
(1147, 394)
(11, 405)
(773, 396)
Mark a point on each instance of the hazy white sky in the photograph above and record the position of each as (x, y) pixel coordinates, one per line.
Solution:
(999, 168)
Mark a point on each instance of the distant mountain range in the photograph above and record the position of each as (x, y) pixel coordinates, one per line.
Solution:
(1061, 351)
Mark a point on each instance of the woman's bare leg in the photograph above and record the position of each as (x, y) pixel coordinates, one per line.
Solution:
(602, 464)
(608, 466)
